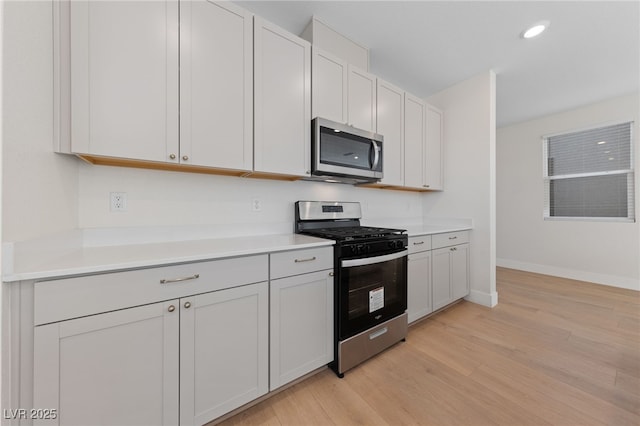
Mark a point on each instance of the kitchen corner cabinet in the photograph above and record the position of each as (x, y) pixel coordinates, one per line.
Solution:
(423, 145)
(433, 168)
(450, 263)
(414, 141)
(301, 313)
(419, 278)
(282, 101)
(390, 124)
(342, 92)
(106, 351)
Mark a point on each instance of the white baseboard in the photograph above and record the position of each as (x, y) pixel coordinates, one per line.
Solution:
(592, 277)
(481, 298)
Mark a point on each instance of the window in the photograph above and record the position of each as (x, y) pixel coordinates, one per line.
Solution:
(590, 174)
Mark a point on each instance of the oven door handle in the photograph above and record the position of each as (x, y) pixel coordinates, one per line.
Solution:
(372, 260)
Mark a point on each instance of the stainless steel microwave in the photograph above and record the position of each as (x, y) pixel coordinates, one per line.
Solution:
(342, 153)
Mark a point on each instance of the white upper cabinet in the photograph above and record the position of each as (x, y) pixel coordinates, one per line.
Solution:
(433, 149)
(343, 92)
(216, 85)
(361, 101)
(124, 76)
(329, 98)
(414, 138)
(390, 124)
(282, 99)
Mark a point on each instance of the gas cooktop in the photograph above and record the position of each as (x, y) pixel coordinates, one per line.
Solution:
(353, 232)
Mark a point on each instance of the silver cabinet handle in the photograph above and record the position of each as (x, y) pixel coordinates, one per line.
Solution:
(331, 274)
(171, 308)
(453, 249)
(185, 157)
(172, 156)
(452, 238)
(419, 243)
(311, 259)
(426, 186)
(187, 305)
(176, 280)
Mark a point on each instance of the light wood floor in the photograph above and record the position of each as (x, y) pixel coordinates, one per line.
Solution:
(554, 351)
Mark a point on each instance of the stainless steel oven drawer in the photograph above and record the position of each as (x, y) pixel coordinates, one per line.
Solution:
(363, 346)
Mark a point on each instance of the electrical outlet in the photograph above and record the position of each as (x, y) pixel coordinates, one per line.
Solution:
(256, 205)
(118, 201)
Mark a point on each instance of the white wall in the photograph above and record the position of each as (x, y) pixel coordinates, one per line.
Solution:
(600, 252)
(469, 174)
(40, 188)
(221, 205)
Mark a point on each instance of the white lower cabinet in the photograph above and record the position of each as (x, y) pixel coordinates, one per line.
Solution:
(301, 313)
(301, 325)
(114, 368)
(450, 276)
(186, 360)
(223, 351)
(419, 278)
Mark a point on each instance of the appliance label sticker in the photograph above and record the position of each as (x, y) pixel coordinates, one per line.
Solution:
(376, 299)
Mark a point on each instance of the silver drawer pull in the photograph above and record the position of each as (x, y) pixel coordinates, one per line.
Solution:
(453, 249)
(417, 244)
(452, 238)
(177, 280)
(378, 333)
(311, 259)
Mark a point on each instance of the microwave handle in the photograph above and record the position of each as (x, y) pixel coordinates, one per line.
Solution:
(376, 154)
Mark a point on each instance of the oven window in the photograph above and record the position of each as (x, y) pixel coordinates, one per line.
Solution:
(371, 294)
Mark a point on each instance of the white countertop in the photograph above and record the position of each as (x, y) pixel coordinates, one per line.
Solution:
(419, 230)
(70, 254)
(89, 260)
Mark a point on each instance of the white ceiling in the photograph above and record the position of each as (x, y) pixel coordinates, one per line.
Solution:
(590, 52)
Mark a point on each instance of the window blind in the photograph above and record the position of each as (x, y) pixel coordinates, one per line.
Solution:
(590, 173)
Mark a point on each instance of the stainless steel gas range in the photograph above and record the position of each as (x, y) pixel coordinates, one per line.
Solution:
(370, 269)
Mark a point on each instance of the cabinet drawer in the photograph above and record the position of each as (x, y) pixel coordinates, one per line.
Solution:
(288, 263)
(418, 244)
(449, 239)
(76, 297)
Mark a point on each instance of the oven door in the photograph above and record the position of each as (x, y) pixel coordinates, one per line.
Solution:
(371, 291)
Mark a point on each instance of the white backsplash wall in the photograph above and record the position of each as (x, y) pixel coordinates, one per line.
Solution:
(191, 203)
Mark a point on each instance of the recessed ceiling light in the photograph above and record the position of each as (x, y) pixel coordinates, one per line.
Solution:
(535, 30)
(602, 142)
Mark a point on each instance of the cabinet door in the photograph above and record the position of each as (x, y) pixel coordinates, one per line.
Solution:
(361, 100)
(119, 367)
(124, 76)
(433, 149)
(441, 277)
(390, 124)
(459, 271)
(414, 140)
(329, 86)
(419, 285)
(282, 101)
(301, 325)
(223, 351)
(216, 85)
